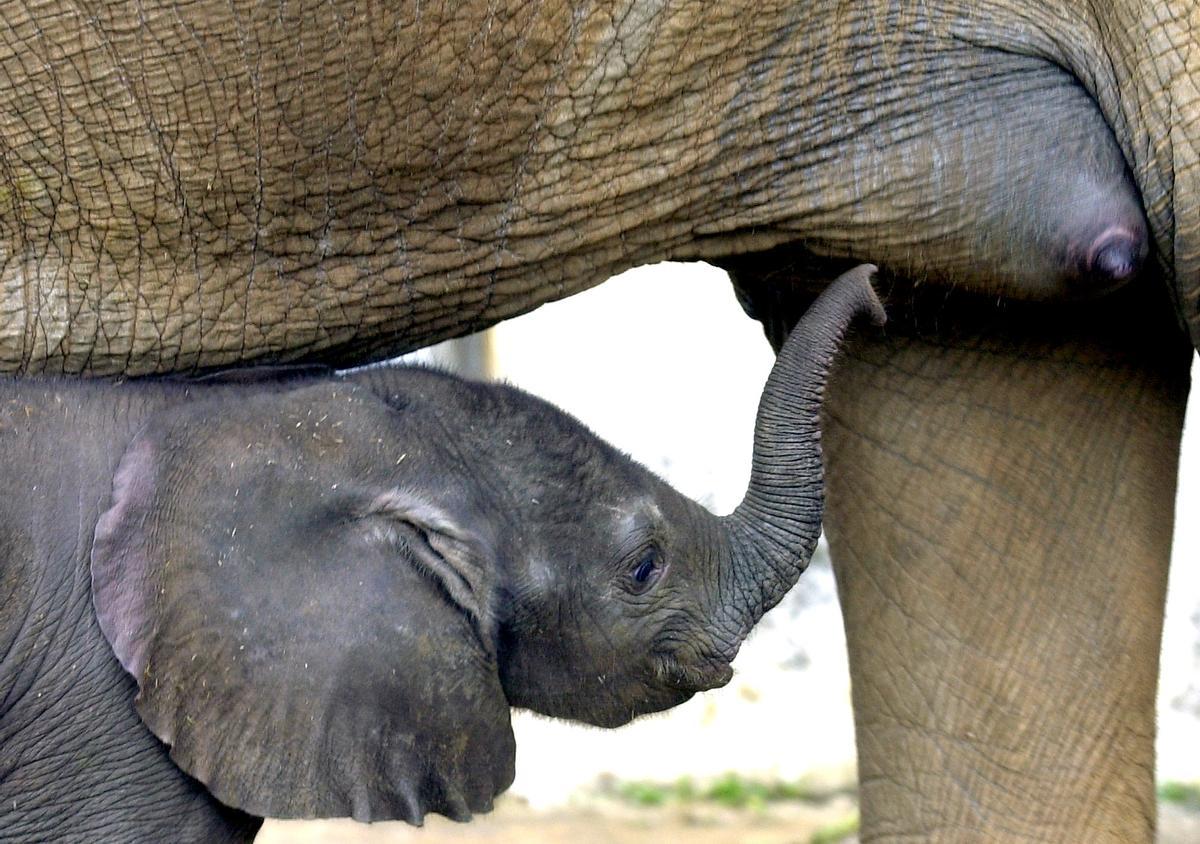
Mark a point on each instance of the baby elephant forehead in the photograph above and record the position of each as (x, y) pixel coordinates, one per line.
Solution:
(622, 525)
(316, 423)
(636, 513)
(594, 535)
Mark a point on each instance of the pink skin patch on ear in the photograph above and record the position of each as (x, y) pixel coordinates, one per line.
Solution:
(120, 567)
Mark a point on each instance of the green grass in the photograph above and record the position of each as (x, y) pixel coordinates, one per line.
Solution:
(739, 792)
(836, 831)
(1186, 794)
(735, 791)
(731, 790)
(644, 793)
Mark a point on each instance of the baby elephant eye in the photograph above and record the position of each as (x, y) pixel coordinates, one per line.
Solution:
(647, 568)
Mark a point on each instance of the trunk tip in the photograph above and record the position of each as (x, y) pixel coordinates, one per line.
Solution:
(866, 300)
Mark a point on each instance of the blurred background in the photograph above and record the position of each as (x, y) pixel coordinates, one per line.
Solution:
(770, 757)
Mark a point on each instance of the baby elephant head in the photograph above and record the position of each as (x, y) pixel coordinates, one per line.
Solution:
(331, 594)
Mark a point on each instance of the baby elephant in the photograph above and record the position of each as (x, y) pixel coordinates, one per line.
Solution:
(329, 591)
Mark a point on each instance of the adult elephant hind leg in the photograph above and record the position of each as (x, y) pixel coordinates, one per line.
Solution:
(1000, 509)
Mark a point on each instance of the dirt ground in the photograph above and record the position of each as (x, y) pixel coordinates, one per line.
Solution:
(607, 822)
(514, 822)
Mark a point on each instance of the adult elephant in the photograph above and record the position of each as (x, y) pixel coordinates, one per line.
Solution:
(220, 183)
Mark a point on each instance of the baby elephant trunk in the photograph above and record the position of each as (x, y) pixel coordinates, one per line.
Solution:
(772, 534)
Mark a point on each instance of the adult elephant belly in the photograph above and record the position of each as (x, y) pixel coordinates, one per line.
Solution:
(228, 183)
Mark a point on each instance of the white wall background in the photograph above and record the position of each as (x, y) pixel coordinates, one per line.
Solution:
(677, 388)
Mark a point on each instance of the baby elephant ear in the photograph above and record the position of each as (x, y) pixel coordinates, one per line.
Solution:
(310, 633)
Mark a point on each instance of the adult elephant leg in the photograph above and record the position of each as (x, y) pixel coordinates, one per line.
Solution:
(1000, 509)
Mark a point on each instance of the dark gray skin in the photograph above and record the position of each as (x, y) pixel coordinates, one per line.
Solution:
(330, 590)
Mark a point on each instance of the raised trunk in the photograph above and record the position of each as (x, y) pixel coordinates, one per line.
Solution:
(774, 531)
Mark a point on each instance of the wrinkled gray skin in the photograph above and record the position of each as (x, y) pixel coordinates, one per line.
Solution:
(331, 589)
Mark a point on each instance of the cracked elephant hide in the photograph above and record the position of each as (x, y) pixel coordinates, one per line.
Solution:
(195, 186)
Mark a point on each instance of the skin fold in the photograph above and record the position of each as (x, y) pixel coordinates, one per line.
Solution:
(229, 183)
(327, 591)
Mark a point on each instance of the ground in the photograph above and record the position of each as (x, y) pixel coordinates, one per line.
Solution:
(601, 821)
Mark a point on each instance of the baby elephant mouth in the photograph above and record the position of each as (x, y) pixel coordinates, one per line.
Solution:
(700, 676)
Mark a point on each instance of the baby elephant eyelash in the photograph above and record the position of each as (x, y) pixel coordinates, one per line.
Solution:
(647, 569)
